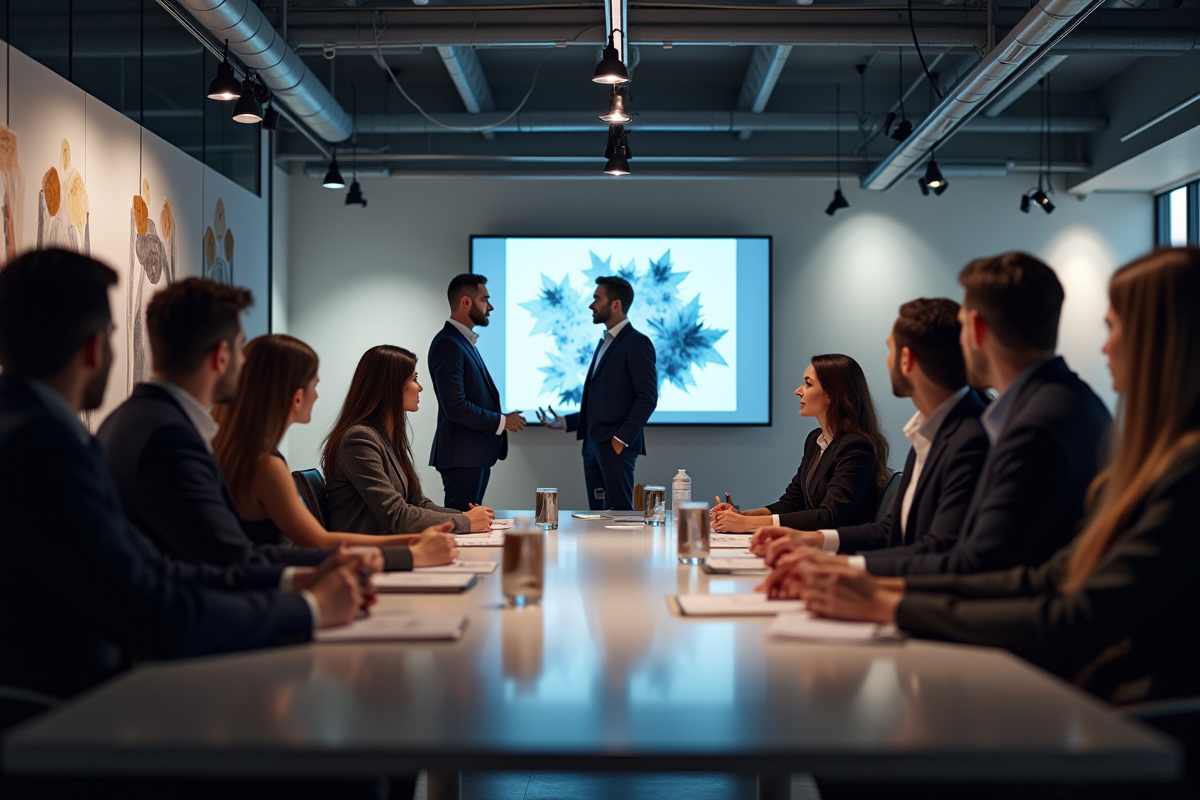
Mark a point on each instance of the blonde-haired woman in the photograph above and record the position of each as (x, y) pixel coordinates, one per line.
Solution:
(279, 388)
(1117, 610)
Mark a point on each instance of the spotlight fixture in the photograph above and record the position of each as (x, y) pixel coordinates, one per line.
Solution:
(617, 152)
(837, 203)
(1024, 204)
(617, 114)
(1039, 195)
(248, 110)
(903, 130)
(839, 200)
(933, 178)
(354, 197)
(270, 119)
(333, 177)
(924, 186)
(1043, 200)
(611, 69)
(225, 86)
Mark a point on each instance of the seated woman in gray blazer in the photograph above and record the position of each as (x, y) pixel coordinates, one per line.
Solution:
(370, 480)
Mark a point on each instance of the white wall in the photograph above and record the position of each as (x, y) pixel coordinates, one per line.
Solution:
(360, 277)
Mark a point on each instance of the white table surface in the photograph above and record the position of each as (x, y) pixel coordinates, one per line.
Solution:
(601, 676)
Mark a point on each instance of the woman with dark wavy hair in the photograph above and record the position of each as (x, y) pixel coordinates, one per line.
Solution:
(371, 482)
(844, 470)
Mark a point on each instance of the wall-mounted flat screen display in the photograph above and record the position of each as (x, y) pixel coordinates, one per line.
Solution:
(705, 302)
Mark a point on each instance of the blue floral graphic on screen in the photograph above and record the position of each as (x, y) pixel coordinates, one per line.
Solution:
(681, 339)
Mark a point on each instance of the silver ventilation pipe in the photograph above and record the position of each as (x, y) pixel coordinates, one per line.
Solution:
(1033, 37)
(256, 43)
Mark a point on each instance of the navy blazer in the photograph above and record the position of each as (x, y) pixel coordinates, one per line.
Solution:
(842, 491)
(620, 393)
(1029, 500)
(83, 592)
(468, 405)
(942, 495)
(174, 490)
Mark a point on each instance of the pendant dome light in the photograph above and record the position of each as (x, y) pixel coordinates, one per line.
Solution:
(333, 176)
(248, 110)
(611, 69)
(618, 112)
(617, 152)
(225, 85)
(839, 200)
(354, 197)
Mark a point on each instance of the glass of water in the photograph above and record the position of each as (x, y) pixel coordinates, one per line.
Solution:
(546, 508)
(523, 568)
(691, 520)
(654, 500)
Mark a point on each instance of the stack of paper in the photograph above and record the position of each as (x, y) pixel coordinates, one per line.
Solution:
(729, 541)
(735, 565)
(805, 626)
(479, 540)
(397, 628)
(424, 582)
(502, 524)
(475, 567)
(734, 605)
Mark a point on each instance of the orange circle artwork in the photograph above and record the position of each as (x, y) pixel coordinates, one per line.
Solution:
(52, 189)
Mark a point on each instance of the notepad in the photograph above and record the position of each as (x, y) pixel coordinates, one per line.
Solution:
(459, 566)
(755, 604)
(502, 524)
(480, 540)
(806, 627)
(424, 581)
(729, 541)
(624, 527)
(397, 628)
(721, 565)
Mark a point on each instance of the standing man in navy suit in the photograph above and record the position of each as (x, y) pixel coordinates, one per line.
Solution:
(472, 433)
(619, 395)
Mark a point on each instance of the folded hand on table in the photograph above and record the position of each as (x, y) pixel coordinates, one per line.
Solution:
(840, 591)
(341, 585)
(434, 547)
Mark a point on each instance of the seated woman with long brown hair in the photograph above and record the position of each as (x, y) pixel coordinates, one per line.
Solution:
(279, 388)
(845, 465)
(370, 478)
(1117, 610)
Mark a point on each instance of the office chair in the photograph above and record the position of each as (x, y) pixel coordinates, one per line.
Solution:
(888, 498)
(311, 486)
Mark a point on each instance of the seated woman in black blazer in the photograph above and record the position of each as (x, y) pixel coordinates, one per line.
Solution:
(844, 469)
(1117, 610)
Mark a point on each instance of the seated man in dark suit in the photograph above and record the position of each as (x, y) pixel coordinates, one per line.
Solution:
(82, 592)
(949, 445)
(1047, 428)
(158, 443)
(619, 395)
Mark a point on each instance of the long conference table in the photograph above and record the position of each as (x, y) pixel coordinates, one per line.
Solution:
(603, 675)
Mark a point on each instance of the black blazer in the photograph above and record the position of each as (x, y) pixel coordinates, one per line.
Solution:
(82, 591)
(468, 405)
(841, 492)
(620, 393)
(1029, 499)
(174, 490)
(1128, 634)
(942, 494)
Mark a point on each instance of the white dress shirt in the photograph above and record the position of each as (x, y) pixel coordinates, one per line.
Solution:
(207, 427)
(473, 337)
(823, 442)
(609, 336)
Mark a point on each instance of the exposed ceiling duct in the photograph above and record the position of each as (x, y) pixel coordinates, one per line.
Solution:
(696, 122)
(1032, 38)
(255, 42)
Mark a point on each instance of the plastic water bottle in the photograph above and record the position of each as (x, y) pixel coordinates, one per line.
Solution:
(681, 490)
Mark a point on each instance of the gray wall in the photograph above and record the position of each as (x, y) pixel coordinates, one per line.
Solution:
(360, 277)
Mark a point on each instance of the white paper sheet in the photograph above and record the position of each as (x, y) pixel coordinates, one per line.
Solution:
(806, 627)
(424, 582)
(624, 527)
(474, 567)
(738, 563)
(480, 540)
(726, 541)
(755, 604)
(397, 628)
(502, 524)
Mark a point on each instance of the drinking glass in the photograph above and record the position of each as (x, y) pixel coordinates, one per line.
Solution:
(691, 520)
(654, 501)
(546, 508)
(523, 568)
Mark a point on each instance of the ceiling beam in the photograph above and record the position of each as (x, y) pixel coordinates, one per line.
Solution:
(766, 65)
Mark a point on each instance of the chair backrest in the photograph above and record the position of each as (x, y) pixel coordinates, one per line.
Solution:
(310, 483)
(889, 496)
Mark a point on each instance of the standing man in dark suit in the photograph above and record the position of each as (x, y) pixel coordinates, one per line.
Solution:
(619, 395)
(925, 363)
(472, 432)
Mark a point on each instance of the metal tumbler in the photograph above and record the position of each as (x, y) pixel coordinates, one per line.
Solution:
(691, 520)
(654, 505)
(546, 508)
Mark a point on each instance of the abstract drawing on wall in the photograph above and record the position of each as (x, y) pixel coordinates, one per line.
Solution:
(12, 207)
(151, 263)
(218, 248)
(63, 207)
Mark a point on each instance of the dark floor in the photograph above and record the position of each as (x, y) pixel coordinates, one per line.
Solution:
(610, 786)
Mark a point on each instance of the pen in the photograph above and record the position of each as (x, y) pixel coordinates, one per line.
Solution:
(728, 499)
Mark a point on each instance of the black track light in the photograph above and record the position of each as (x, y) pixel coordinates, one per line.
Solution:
(248, 110)
(354, 197)
(837, 203)
(903, 130)
(617, 152)
(1043, 200)
(270, 121)
(924, 186)
(934, 179)
(618, 113)
(611, 69)
(1024, 204)
(333, 177)
(225, 86)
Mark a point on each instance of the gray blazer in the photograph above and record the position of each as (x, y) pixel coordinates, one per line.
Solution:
(367, 492)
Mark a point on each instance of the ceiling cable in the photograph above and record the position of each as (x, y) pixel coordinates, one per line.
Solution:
(913, 27)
